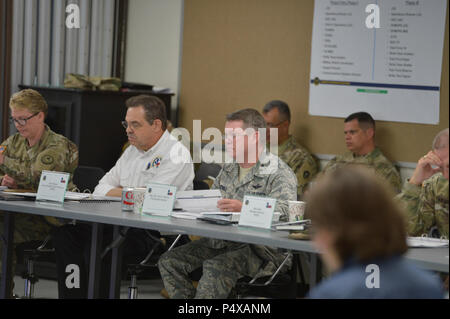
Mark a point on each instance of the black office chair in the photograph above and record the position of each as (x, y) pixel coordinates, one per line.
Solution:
(207, 170)
(282, 284)
(87, 177)
(37, 254)
(200, 185)
(151, 260)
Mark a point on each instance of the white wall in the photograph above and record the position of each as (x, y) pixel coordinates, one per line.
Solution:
(154, 43)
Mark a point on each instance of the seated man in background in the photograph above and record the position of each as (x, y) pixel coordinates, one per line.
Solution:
(148, 159)
(277, 115)
(24, 155)
(359, 131)
(361, 234)
(258, 173)
(425, 195)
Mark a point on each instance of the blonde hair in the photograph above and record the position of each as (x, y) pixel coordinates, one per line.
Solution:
(30, 100)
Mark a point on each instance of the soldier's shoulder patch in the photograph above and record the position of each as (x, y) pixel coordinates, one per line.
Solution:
(47, 159)
(2, 149)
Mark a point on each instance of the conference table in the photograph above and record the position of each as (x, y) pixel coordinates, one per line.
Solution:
(110, 213)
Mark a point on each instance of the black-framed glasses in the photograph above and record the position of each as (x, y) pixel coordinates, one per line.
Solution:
(22, 122)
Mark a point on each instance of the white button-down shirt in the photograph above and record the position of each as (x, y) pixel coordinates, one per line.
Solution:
(167, 162)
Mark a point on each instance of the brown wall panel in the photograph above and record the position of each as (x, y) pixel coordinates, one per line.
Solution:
(243, 53)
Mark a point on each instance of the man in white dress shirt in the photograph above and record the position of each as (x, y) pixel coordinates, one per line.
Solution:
(153, 156)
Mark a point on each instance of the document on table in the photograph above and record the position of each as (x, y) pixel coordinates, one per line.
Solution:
(72, 196)
(197, 201)
(233, 217)
(427, 242)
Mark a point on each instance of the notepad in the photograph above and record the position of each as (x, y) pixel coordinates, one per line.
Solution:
(427, 242)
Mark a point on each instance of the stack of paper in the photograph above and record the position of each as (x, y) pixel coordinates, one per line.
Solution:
(76, 196)
(186, 215)
(295, 225)
(197, 201)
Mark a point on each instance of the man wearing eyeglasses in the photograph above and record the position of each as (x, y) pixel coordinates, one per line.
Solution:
(277, 115)
(154, 156)
(24, 155)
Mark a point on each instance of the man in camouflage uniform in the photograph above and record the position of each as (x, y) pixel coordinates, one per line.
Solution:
(359, 130)
(224, 262)
(277, 115)
(24, 155)
(425, 195)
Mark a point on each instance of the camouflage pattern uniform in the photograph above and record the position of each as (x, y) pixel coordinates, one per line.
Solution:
(427, 206)
(224, 262)
(53, 152)
(300, 161)
(382, 166)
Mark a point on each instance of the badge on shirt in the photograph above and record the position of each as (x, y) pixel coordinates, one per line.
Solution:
(154, 162)
(2, 149)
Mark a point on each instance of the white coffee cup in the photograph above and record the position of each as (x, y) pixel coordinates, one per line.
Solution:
(138, 196)
(296, 210)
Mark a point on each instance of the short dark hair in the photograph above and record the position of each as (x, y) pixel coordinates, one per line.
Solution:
(282, 107)
(251, 118)
(365, 120)
(154, 108)
(360, 211)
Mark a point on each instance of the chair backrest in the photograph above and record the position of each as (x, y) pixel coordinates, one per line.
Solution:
(207, 169)
(87, 177)
(198, 185)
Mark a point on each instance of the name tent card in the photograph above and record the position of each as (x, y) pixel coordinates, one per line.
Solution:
(159, 199)
(52, 186)
(257, 212)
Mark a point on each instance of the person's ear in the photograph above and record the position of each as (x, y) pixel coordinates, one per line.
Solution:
(370, 132)
(157, 124)
(285, 126)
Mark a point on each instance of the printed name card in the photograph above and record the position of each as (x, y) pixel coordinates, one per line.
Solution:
(257, 212)
(159, 199)
(52, 186)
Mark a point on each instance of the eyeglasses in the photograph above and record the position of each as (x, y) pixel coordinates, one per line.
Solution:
(132, 125)
(270, 125)
(22, 122)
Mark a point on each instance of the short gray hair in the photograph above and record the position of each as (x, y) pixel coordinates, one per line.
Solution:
(283, 109)
(441, 140)
(251, 118)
